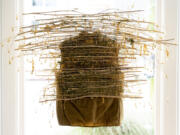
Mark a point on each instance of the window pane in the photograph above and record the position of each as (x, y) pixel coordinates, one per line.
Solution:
(41, 118)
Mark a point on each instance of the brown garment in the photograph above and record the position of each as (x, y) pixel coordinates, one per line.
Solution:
(90, 112)
(89, 67)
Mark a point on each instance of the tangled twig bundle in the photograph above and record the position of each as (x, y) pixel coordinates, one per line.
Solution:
(89, 67)
(97, 52)
(96, 61)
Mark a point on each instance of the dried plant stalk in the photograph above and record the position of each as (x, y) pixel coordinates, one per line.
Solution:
(94, 54)
(96, 77)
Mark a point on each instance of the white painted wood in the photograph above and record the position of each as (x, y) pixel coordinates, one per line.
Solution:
(158, 73)
(20, 9)
(8, 79)
(0, 67)
(178, 66)
(170, 70)
(167, 73)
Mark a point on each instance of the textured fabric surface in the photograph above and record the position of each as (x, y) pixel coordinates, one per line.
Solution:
(90, 112)
(89, 67)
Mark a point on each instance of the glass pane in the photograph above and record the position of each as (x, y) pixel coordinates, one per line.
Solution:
(41, 118)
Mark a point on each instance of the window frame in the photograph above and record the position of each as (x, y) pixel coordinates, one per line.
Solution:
(9, 106)
(0, 66)
(167, 78)
(11, 103)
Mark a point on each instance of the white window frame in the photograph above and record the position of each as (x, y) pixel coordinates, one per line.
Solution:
(10, 90)
(167, 95)
(0, 65)
(8, 83)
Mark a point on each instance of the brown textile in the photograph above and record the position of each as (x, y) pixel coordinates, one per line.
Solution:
(89, 67)
(90, 112)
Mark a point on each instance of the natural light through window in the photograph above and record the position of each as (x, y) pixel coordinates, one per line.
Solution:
(40, 118)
